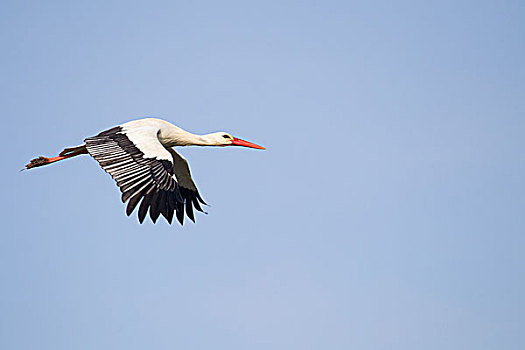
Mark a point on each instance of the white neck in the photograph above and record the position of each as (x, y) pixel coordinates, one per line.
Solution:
(199, 140)
(175, 136)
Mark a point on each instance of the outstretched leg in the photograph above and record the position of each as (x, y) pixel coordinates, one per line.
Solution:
(66, 153)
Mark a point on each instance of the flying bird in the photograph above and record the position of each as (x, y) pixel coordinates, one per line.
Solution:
(140, 158)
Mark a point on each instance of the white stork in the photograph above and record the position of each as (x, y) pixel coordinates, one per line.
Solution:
(140, 158)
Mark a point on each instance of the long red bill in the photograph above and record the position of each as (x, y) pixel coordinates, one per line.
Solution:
(239, 142)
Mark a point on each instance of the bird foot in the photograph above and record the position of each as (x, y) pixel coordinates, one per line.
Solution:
(37, 162)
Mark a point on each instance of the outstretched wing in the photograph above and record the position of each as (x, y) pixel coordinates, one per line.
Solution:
(187, 187)
(143, 169)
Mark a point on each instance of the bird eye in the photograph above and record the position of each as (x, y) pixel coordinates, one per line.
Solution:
(226, 136)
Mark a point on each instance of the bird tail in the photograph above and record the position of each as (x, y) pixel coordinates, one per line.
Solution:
(66, 153)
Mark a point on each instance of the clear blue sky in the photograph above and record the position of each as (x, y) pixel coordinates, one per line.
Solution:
(387, 212)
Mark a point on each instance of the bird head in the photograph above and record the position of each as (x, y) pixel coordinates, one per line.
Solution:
(224, 139)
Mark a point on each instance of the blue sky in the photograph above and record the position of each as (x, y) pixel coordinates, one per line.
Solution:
(386, 212)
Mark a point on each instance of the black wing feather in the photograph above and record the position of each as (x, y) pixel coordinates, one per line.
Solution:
(154, 206)
(148, 181)
(143, 209)
(180, 212)
(189, 210)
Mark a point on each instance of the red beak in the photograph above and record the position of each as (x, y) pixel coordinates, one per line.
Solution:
(239, 142)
